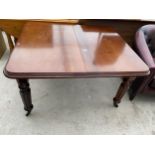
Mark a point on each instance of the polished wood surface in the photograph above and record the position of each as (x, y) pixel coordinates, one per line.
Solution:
(14, 27)
(125, 27)
(52, 50)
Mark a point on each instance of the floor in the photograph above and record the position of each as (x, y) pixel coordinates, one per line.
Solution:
(73, 106)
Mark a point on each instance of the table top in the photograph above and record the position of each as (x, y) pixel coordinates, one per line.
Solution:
(46, 50)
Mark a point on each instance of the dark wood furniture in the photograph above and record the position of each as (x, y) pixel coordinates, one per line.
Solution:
(145, 47)
(125, 27)
(47, 50)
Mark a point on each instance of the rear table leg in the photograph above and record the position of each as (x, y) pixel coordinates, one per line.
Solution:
(122, 90)
(25, 93)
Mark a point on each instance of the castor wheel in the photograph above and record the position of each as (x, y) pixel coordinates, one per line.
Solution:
(115, 105)
(28, 110)
(131, 97)
(115, 102)
(28, 113)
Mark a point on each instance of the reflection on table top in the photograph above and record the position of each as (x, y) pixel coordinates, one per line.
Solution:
(49, 50)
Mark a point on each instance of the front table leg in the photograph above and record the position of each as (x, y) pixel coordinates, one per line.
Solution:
(122, 90)
(25, 93)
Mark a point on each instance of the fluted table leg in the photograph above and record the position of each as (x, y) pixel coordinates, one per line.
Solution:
(25, 93)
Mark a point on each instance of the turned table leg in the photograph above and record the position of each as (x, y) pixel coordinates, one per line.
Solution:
(122, 90)
(25, 93)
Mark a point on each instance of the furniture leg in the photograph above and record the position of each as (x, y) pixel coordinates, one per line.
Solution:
(136, 87)
(25, 93)
(10, 42)
(122, 90)
(2, 45)
(139, 85)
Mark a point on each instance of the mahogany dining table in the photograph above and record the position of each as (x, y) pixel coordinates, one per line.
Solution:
(46, 50)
